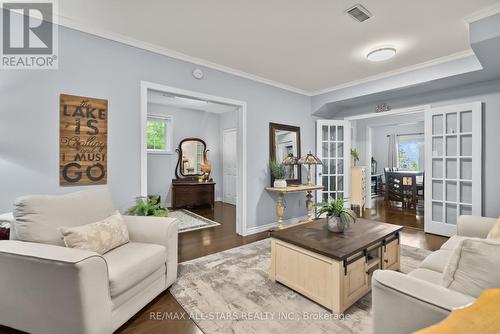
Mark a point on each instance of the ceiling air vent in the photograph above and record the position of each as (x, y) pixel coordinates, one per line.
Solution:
(359, 13)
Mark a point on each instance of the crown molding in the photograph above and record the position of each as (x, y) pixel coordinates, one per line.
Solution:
(483, 13)
(433, 62)
(76, 25)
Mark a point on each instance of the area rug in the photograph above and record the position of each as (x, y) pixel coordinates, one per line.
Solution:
(190, 221)
(230, 292)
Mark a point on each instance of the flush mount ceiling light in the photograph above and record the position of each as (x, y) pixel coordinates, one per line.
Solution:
(381, 54)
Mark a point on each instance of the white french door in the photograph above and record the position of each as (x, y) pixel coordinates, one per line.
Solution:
(452, 166)
(333, 144)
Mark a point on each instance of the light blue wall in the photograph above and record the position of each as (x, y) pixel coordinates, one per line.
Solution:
(187, 123)
(96, 67)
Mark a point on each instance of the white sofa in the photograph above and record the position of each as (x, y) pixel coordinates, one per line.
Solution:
(405, 303)
(48, 288)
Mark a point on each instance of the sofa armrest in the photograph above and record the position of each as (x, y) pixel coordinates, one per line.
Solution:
(53, 289)
(404, 304)
(474, 226)
(157, 230)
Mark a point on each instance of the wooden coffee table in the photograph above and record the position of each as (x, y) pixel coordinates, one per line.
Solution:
(333, 269)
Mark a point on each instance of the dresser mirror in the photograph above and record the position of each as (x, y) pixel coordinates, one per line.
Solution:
(192, 152)
(284, 147)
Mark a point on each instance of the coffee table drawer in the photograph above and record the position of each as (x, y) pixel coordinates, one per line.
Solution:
(317, 277)
(356, 282)
(305, 272)
(391, 256)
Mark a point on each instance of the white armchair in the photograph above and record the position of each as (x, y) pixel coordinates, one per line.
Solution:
(48, 288)
(406, 303)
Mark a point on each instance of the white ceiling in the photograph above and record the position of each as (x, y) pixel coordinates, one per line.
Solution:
(309, 45)
(188, 103)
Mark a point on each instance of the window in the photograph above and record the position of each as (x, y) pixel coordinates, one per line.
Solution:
(411, 153)
(159, 134)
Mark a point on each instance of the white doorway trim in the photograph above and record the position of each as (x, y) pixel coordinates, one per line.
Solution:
(369, 133)
(224, 162)
(241, 207)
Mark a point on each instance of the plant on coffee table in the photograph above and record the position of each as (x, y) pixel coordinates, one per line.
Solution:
(339, 218)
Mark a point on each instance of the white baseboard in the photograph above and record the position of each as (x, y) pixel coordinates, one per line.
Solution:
(263, 228)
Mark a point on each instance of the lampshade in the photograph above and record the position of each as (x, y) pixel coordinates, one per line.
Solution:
(310, 159)
(290, 160)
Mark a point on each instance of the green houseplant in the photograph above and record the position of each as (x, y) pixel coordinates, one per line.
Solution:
(279, 172)
(354, 156)
(338, 218)
(148, 206)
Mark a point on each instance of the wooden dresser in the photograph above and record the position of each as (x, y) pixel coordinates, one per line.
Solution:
(192, 193)
(358, 187)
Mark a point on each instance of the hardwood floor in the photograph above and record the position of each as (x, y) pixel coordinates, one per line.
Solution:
(213, 240)
(203, 242)
(192, 245)
(393, 214)
(411, 219)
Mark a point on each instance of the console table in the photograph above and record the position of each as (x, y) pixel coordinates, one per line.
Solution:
(280, 204)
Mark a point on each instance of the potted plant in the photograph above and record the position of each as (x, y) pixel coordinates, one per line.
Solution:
(148, 206)
(354, 156)
(278, 171)
(338, 218)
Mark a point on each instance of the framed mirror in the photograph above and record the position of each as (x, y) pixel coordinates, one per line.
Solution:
(284, 142)
(192, 152)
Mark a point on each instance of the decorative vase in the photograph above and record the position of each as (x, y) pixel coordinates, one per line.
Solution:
(334, 224)
(279, 184)
(206, 168)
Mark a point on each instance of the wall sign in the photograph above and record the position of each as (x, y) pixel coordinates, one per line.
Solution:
(83, 147)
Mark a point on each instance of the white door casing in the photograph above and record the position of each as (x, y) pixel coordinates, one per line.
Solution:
(229, 166)
(241, 207)
(452, 166)
(333, 147)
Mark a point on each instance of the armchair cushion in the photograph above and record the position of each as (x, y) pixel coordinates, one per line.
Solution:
(131, 263)
(99, 237)
(427, 275)
(38, 217)
(474, 226)
(452, 242)
(495, 231)
(473, 267)
(157, 230)
(437, 261)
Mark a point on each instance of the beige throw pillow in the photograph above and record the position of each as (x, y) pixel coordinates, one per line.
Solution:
(99, 237)
(473, 267)
(495, 231)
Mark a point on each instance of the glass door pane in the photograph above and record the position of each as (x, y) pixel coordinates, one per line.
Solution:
(331, 148)
(453, 166)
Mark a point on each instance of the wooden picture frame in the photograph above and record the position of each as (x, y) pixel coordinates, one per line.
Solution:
(275, 127)
(178, 168)
(83, 140)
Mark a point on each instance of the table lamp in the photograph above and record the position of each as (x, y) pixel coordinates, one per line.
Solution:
(291, 161)
(309, 159)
